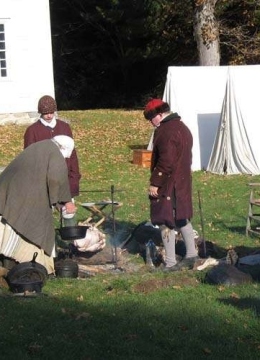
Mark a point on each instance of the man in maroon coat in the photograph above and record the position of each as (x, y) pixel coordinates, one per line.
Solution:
(170, 188)
(49, 126)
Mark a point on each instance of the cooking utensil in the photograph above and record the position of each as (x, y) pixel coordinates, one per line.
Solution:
(66, 268)
(27, 271)
(72, 232)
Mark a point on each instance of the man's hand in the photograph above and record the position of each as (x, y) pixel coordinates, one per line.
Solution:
(70, 208)
(153, 191)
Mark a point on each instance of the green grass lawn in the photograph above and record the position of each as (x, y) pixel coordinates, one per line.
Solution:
(143, 315)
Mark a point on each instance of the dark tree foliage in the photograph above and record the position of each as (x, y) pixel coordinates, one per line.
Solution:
(115, 53)
(239, 31)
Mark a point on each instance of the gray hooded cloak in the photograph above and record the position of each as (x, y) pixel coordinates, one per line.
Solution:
(34, 181)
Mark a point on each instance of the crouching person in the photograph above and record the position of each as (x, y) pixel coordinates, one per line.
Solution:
(30, 186)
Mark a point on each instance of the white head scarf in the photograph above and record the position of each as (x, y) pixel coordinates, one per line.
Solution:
(65, 144)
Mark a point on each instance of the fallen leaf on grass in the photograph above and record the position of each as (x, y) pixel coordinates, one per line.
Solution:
(177, 287)
(83, 316)
(131, 337)
(221, 288)
(183, 328)
(207, 351)
(34, 348)
(234, 296)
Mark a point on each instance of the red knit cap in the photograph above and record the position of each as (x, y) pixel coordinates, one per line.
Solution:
(155, 107)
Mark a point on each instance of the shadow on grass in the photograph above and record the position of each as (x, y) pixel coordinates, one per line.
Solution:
(241, 230)
(118, 325)
(136, 147)
(244, 303)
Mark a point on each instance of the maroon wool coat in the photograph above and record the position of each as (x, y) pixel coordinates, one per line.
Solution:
(37, 132)
(172, 155)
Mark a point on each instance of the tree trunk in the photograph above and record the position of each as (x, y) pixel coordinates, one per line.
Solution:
(206, 32)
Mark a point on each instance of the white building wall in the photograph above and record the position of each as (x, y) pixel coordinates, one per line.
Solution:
(28, 55)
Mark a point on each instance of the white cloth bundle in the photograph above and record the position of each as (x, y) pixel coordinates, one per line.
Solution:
(94, 240)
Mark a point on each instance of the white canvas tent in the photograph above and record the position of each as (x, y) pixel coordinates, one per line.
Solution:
(232, 153)
(205, 97)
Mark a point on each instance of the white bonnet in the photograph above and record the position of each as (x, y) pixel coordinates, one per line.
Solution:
(65, 143)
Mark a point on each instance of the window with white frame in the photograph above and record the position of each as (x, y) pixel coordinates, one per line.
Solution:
(3, 66)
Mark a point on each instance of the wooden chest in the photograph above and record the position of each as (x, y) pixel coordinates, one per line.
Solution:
(142, 157)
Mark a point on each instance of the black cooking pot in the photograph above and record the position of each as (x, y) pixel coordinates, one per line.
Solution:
(73, 232)
(26, 272)
(66, 268)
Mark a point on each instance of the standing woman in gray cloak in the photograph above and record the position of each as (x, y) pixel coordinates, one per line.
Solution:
(30, 186)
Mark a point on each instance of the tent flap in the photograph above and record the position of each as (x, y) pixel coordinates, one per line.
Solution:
(232, 153)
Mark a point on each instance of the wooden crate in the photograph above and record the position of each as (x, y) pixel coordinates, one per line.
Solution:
(142, 157)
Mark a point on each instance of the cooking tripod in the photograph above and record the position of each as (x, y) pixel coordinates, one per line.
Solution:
(100, 211)
(104, 210)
